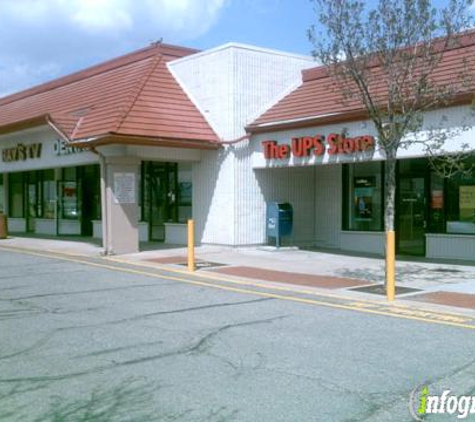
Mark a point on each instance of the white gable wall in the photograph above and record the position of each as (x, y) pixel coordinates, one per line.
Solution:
(231, 85)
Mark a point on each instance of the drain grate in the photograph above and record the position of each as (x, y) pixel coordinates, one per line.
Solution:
(200, 265)
(378, 289)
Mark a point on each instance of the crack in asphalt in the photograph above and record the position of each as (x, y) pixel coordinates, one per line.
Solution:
(191, 309)
(453, 372)
(14, 311)
(241, 368)
(385, 409)
(19, 313)
(36, 274)
(50, 262)
(198, 347)
(368, 398)
(118, 349)
(375, 406)
(36, 345)
(154, 314)
(16, 287)
(31, 309)
(77, 292)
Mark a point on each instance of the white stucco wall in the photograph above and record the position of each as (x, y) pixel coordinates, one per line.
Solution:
(327, 193)
(314, 192)
(328, 206)
(296, 186)
(213, 197)
(231, 85)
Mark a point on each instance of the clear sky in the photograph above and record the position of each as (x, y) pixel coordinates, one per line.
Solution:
(43, 39)
(279, 24)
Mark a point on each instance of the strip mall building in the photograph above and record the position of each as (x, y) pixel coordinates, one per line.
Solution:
(128, 150)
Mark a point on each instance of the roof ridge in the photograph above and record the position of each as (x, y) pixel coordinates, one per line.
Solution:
(94, 70)
(76, 127)
(464, 40)
(139, 87)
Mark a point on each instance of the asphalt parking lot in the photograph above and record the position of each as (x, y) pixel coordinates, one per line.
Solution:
(86, 341)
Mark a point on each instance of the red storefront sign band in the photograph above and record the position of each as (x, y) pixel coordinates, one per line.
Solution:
(315, 145)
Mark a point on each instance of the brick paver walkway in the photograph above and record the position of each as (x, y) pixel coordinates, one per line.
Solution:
(327, 282)
(462, 300)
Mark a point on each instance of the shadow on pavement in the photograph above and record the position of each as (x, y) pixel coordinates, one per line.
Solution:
(409, 273)
(131, 400)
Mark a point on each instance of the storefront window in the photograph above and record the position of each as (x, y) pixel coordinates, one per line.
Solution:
(363, 204)
(49, 194)
(16, 195)
(2, 193)
(32, 194)
(461, 204)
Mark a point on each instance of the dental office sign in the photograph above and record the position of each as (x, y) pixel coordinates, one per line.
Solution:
(307, 146)
(61, 147)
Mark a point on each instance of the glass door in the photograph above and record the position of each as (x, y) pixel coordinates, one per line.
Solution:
(158, 211)
(69, 208)
(160, 199)
(2, 195)
(33, 197)
(411, 216)
(90, 198)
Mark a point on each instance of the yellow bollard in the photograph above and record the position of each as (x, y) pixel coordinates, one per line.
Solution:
(391, 265)
(191, 245)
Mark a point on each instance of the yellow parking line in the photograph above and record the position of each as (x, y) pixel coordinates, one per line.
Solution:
(209, 275)
(359, 306)
(259, 284)
(250, 283)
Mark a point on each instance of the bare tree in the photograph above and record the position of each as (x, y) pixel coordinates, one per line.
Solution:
(387, 60)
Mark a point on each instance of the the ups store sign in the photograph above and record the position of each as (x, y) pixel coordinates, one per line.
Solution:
(333, 144)
(21, 152)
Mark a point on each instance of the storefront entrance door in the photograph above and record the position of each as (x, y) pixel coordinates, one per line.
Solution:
(90, 198)
(32, 201)
(161, 186)
(411, 216)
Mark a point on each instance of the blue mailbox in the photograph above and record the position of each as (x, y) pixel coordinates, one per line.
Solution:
(279, 221)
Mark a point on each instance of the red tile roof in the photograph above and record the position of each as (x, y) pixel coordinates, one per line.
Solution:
(319, 99)
(134, 96)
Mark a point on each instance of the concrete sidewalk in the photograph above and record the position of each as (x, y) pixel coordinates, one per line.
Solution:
(429, 276)
(444, 283)
(68, 245)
